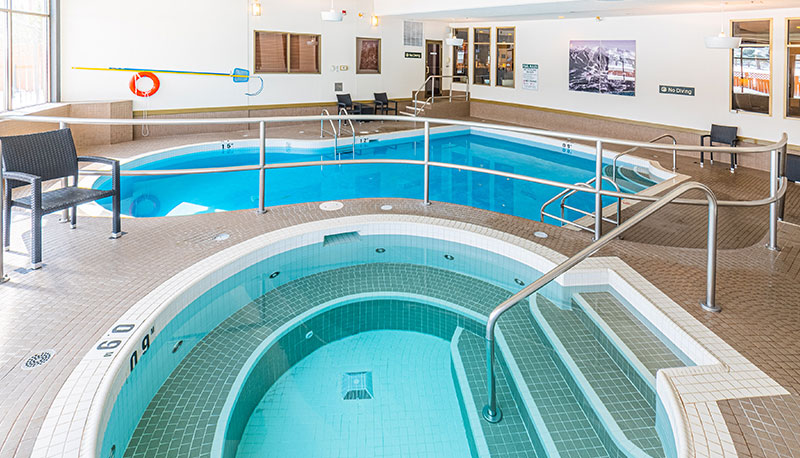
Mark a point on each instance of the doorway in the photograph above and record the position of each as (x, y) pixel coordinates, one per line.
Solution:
(433, 66)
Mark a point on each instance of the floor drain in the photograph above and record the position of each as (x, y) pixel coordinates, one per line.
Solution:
(37, 360)
(356, 385)
(221, 237)
(331, 206)
(386, 208)
(540, 234)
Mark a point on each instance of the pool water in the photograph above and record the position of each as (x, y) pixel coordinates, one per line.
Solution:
(305, 414)
(192, 194)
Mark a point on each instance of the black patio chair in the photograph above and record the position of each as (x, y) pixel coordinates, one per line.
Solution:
(32, 159)
(382, 104)
(725, 135)
(344, 101)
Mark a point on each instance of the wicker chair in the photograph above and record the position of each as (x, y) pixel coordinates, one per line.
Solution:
(382, 104)
(32, 159)
(721, 134)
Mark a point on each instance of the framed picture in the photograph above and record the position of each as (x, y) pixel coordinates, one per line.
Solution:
(368, 55)
(605, 67)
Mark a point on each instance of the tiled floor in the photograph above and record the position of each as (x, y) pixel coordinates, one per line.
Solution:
(88, 281)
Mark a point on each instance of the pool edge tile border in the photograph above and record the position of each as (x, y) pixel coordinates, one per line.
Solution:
(72, 426)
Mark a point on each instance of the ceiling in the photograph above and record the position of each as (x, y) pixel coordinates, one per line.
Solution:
(467, 10)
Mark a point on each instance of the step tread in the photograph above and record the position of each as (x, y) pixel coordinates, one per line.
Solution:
(649, 350)
(509, 437)
(570, 428)
(630, 409)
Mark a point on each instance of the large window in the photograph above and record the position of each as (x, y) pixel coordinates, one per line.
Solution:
(483, 61)
(281, 52)
(793, 68)
(461, 54)
(505, 57)
(752, 66)
(25, 43)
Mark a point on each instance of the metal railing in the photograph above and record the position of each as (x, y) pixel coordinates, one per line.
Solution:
(432, 99)
(491, 412)
(343, 112)
(565, 194)
(777, 151)
(674, 155)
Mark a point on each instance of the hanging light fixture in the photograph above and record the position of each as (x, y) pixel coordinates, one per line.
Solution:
(255, 8)
(722, 41)
(332, 15)
(451, 40)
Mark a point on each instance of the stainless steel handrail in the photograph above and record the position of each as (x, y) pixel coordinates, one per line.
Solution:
(432, 98)
(343, 112)
(674, 154)
(491, 412)
(563, 195)
(777, 150)
(321, 125)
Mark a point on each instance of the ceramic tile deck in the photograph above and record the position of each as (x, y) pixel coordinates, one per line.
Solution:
(88, 282)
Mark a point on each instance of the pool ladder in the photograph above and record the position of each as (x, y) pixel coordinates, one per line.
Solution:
(337, 132)
(567, 193)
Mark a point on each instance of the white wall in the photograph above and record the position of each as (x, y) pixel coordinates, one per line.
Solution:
(669, 50)
(216, 36)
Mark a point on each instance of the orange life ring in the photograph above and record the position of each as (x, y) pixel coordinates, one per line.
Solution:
(136, 77)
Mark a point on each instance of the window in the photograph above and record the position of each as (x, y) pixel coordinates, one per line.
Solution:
(368, 55)
(26, 46)
(281, 52)
(505, 57)
(793, 68)
(483, 60)
(461, 55)
(752, 66)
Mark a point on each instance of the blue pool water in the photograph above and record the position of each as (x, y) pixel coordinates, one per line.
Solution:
(304, 414)
(191, 194)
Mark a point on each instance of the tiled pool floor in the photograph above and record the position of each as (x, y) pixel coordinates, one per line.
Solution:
(413, 412)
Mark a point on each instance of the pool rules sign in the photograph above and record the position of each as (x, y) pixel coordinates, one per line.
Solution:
(530, 77)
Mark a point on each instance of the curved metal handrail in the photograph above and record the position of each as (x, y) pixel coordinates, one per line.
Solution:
(432, 98)
(453, 122)
(588, 184)
(343, 112)
(674, 154)
(491, 412)
(322, 123)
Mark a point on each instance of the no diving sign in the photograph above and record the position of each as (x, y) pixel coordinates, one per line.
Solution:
(676, 90)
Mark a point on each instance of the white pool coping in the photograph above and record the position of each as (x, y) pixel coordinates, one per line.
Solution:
(75, 423)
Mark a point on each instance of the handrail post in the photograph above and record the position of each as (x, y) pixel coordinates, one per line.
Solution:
(710, 305)
(781, 174)
(773, 207)
(674, 156)
(3, 276)
(598, 198)
(491, 412)
(427, 174)
(64, 183)
(262, 172)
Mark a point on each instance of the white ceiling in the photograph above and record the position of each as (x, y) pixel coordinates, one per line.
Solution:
(477, 10)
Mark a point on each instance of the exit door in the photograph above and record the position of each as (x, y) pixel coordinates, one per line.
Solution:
(433, 66)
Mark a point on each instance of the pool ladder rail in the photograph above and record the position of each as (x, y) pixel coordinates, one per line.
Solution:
(565, 194)
(336, 133)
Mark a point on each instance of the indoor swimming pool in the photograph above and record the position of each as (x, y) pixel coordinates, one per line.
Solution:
(359, 342)
(148, 196)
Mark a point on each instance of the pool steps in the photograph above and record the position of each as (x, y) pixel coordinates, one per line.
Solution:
(612, 391)
(487, 439)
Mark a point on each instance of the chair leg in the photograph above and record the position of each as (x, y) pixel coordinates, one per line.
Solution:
(702, 159)
(36, 224)
(733, 162)
(7, 224)
(116, 230)
(73, 222)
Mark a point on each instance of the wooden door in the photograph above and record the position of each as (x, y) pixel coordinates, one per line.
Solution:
(433, 66)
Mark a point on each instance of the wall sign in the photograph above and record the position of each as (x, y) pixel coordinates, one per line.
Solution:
(413, 55)
(530, 77)
(677, 90)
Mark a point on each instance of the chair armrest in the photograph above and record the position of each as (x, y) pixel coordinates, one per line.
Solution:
(104, 160)
(703, 138)
(735, 142)
(21, 176)
(101, 160)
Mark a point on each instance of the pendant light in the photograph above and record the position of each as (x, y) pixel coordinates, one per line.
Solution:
(722, 41)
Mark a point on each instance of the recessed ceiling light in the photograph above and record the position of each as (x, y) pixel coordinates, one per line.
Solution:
(561, 17)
